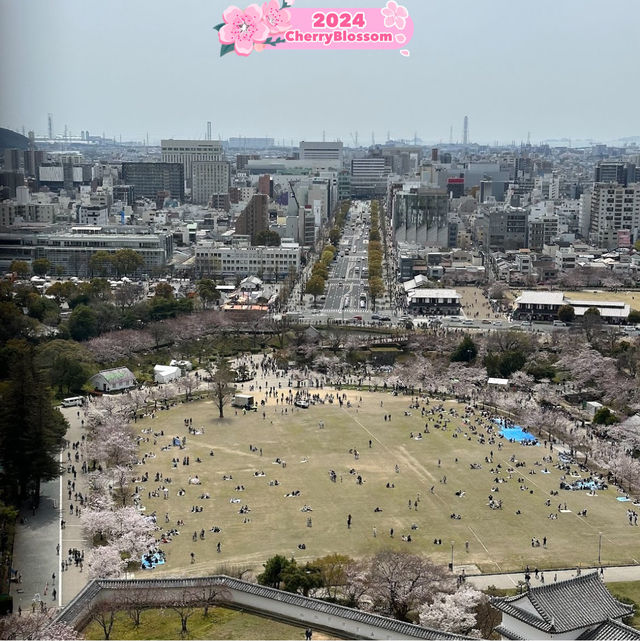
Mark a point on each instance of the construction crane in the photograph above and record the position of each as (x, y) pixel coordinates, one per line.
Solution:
(293, 193)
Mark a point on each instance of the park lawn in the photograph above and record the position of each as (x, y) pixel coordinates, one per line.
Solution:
(499, 540)
(221, 623)
(630, 591)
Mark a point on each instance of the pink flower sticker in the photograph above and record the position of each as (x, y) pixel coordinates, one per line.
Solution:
(401, 38)
(277, 20)
(243, 28)
(405, 53)
(395, 15)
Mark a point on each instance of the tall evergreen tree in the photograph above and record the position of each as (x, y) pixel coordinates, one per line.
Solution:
(31, 429)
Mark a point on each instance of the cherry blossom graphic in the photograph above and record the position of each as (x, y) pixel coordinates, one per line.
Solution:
(405, 52)
(395, 15)
(277, 20)
(242, 29)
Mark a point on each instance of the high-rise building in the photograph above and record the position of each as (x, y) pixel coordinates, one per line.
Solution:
(265, 185)
(321, 151)
(369, 177)
(619, 172)
(189, 151)
(420, 217)
(209, 178)
(614, 207)
(149, 178)
(254, 218)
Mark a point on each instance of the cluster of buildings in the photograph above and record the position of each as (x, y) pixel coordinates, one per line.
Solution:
(526, 215)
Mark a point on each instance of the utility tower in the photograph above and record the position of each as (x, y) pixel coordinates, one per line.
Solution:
(208, 130)
(465, 131)
(50, 126)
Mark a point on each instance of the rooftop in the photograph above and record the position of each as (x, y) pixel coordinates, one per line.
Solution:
(540, 298)
(565, 605)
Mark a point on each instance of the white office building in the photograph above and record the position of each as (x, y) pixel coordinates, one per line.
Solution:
(269, 263)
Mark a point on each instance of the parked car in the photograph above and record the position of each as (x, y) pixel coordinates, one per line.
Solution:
(385, 318)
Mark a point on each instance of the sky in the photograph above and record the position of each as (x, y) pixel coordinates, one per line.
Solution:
(548, 69)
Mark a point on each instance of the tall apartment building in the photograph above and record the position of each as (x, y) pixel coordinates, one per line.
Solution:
(420, 217)
(254, 218)
(209, 178)
(541, 229)
(189, 151)
(614, 207)
(321, 151)
(149, 178)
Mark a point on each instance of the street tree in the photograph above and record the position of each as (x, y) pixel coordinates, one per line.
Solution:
(566, 313)
(20, 268)
(100, 263)
(41, 266)
(126, 261)
(315, 287)
(127, 293)
(376, 290)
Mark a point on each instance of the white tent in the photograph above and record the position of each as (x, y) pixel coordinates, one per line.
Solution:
(166, 373)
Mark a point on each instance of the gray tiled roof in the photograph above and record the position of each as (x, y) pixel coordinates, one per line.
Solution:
(612, 630)
(566, 605)
(508, 634)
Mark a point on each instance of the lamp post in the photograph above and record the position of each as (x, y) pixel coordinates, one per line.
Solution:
(451, 564)
(599, 548)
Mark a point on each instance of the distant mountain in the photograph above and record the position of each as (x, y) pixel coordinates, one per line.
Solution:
(12, 140)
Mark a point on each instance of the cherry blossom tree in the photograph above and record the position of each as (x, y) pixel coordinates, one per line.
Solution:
(105, 562)
(37, 625)
(399, 582)
(453, 612)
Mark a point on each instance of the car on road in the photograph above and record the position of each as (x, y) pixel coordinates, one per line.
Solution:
(375, 317)
(559, 323)
(385, 318)
(486, 321)
(357, 318)
(455, 319)
(467, 321)
(402, 319)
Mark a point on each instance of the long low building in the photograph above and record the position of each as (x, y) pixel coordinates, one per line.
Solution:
(544, 306)
(434, 302)
(71, 251)
(269, 263)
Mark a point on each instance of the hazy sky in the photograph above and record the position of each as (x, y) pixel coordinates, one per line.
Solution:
(555, 68)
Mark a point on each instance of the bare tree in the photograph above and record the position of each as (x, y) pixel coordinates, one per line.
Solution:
(104, 614)
(221, 384)
(400, 582)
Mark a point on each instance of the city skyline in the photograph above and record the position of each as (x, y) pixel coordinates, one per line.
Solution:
(149, 61)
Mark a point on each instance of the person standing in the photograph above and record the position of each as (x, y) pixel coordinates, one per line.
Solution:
(349, 521)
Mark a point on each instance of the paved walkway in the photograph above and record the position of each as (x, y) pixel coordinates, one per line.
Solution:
(612, 574)
(34, 551)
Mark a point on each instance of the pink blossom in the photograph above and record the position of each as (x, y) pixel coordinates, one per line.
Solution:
(395, 15)
(276, 19)
(243, 28)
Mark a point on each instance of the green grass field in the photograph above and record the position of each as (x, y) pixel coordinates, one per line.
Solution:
(220, 624)
(498, 539)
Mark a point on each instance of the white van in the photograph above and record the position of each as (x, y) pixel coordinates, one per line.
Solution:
(73, 401)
